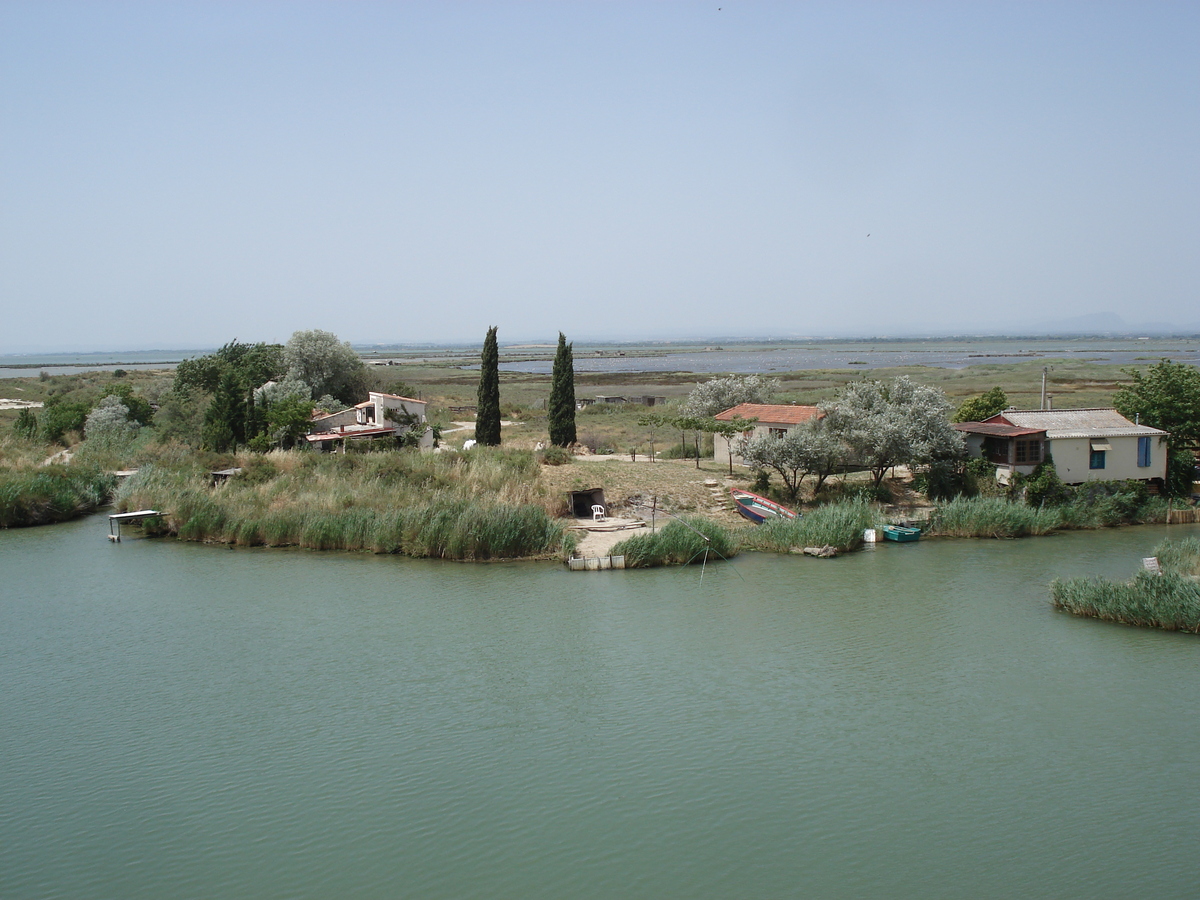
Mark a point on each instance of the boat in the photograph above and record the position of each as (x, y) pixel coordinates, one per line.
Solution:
(758, 509)
(901, 533)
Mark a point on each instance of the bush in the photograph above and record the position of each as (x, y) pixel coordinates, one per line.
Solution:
(555, 456)
(677, 544)
(1043, 487)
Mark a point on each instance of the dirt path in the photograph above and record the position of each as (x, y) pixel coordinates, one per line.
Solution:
(62, 456)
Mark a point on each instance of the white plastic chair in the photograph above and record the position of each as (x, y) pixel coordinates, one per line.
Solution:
(597, 513)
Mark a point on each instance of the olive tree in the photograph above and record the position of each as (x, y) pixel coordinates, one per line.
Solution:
(326, 365)
(719, 394)
(808, 449)
(899, 422)
(108, 427)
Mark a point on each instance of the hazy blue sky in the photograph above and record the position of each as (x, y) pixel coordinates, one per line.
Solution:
(178, 174)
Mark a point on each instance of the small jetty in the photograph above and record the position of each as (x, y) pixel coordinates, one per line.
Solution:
(116, 519)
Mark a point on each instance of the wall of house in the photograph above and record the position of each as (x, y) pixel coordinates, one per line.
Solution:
(336, 420)
(722, 449)
(383, 405)
(1072, 460)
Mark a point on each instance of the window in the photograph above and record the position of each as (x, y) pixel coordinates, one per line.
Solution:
(1029, 453)
(1097, 460)
(1143, 452)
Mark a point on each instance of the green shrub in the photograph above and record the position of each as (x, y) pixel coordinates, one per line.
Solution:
(555, 456)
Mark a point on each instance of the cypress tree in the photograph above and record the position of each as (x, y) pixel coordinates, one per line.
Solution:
(225, 420)
(561, 408)
(487, 415)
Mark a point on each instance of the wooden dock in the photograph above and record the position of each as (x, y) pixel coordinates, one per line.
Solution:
(115, 520)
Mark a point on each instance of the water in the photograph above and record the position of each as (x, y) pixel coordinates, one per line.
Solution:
(187, 721)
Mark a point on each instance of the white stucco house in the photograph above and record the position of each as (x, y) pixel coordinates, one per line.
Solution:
(380, 416)
(1086, 444)
(773, 420)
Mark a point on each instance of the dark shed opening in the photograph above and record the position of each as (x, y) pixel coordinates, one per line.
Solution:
(581, 502)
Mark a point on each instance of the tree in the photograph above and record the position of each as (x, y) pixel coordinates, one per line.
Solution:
(225, 419)
(807, 449)
(561, 408)
(180, 416)
(976, 409)
(487, 412)
(719, 394)
(654, 421)
(1166, 396)
(893, 423)
(326, 365)
(61, 416)
(253, 364)
(108, 427)
(732, 430)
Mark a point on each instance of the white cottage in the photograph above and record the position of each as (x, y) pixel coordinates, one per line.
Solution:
(379, 416)
(773, 420)
(1086, 444)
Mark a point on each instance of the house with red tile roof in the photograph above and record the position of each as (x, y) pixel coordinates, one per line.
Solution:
(773, 420)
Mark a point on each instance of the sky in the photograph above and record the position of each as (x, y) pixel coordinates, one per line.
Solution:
(177, 175)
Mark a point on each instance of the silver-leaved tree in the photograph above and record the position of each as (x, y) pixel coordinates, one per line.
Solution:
(898, 422)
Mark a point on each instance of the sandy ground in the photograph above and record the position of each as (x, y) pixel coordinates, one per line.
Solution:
(20, 404)
(598, 538)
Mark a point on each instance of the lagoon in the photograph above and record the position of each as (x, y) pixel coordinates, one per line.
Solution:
(914, 721)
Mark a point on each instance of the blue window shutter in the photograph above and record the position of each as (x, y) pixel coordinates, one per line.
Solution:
(1143, 452)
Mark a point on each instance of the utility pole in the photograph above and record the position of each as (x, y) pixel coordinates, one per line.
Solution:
(1045, 369)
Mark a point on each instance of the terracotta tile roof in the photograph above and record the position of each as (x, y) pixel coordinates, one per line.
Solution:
(768, 414)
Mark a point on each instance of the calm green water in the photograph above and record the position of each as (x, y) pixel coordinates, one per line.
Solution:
(185, 721)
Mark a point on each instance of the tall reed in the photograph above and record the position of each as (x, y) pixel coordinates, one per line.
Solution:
(992, 517)
(678, 543)
(485, 506)
(51, 494)
(837, 525)
(1170, 600)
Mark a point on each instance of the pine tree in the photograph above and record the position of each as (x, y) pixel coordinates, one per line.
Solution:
(225, 420)
(487, 415)
(561, 408)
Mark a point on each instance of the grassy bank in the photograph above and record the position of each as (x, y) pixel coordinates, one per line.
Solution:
(51, 494)
(1170, 600)
(487, 504)
(677, 544)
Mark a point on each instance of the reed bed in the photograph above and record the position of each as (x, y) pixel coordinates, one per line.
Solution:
(488, 505)
(679, 543)
(51, 494)
(837, 525)
(992, 517)
(1170, 600)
